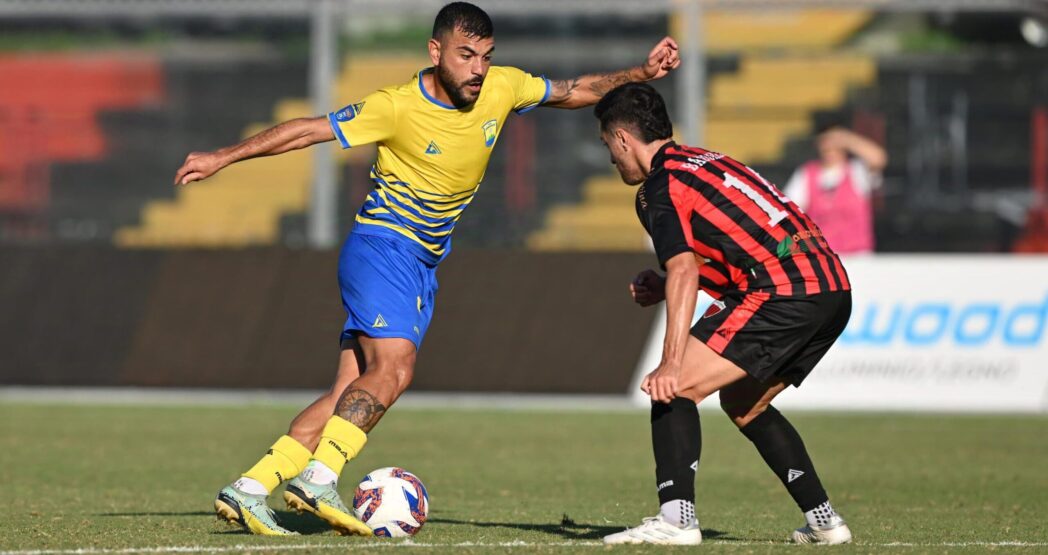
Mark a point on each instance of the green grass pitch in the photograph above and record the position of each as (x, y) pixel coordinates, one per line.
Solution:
(123, 478)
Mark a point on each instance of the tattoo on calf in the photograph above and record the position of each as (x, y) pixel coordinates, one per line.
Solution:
(360, 408)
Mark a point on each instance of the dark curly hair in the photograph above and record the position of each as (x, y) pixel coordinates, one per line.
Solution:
(637, 107)
(471, 20)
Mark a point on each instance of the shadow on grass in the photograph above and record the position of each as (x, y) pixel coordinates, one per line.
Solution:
(566, 528)
(302, 523)
(305, 524)
(184, 513)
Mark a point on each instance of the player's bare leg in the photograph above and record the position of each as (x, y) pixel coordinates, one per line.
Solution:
(244, 502)
(307, 426)
(389, 366)
(677, 443)
(748, 404)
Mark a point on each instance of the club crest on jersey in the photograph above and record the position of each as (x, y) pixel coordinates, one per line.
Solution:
(349, 112)
(713, 310)
(490, 133)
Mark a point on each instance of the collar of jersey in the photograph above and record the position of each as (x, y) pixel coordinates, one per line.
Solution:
(660, 155)
(426, 94)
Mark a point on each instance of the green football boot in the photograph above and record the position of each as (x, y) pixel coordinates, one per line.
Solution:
(249, 511)
(324, 502)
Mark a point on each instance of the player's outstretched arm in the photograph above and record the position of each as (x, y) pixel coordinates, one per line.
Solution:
(287, 136)
(587, 90)
(682, 289)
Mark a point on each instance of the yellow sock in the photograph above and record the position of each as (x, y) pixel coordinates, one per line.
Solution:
(339, 443)
(284, 460)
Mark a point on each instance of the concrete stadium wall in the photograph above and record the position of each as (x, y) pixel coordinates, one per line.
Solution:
(270, 318)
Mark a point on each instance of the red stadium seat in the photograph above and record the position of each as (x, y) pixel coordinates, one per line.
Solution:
(49, 108)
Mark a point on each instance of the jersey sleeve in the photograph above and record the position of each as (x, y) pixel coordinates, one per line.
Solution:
(529, 91)
(664, 221)
(371, 120)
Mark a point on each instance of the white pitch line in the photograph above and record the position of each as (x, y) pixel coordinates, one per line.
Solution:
(409, 543)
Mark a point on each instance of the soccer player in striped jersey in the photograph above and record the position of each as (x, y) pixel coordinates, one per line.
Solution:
(782, 298)
(435, 135)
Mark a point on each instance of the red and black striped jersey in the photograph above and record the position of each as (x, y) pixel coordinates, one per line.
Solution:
(745, 232)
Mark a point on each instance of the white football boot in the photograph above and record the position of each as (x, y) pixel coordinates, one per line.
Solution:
(834, 533)
(656, 530)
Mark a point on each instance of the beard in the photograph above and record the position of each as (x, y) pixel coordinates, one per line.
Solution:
(457, 91)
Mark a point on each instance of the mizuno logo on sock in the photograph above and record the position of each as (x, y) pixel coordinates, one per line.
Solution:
(793, 475)
(339, 449)
(665, 484)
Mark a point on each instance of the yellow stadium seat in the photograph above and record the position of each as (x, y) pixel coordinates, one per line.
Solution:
(244, 204)
(789, 69)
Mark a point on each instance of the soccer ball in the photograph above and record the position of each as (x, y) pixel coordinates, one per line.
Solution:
(392, 502)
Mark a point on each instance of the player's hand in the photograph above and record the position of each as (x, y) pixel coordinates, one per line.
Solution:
(662, 59)
(662, 384)
(648, 288)
(198, 165)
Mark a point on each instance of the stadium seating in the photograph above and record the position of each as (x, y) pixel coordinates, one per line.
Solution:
(51, 106)
(605, 220)
(244, 204)
(205, 106)
(749, 30)
(751, 113)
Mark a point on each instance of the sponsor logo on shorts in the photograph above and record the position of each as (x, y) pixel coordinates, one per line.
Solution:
(380, 322)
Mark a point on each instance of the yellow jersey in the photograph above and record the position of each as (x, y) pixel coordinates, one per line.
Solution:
(431, 156)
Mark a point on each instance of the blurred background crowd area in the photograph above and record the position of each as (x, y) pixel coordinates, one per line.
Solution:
(96, 113)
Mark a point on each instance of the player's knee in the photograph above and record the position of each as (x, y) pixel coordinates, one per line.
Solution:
(404, 374)
(695, 394)
(741, 413)
(397, 373)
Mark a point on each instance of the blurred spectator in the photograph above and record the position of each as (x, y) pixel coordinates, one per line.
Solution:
(835, 189)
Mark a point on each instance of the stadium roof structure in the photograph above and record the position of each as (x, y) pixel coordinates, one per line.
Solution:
(302, 8)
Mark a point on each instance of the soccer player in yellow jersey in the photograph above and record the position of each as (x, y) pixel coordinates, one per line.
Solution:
(435, 135)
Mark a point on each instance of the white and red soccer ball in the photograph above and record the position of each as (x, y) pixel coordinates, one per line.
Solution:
(392, 502)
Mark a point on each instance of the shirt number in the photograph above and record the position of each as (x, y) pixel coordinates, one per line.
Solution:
(774, 214)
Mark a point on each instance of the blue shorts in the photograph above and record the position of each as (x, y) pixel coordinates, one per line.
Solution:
(386, 290)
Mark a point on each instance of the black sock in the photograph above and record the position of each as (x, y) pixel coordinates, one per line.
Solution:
(782, 448)
(676, 438)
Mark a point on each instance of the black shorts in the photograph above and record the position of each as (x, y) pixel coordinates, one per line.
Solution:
(772, 336)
